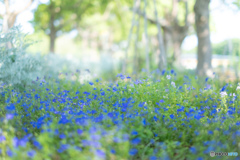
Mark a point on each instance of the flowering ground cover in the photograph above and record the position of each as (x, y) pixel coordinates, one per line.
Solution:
(172, 117)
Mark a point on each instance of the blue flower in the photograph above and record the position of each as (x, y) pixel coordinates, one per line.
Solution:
(9, 152)
(155, 118)
(134, 133)
(91, 83)
(9, 116)
(2, 138)
(79, 131)
(63, 147)
(113, 151)
(144, 121)
(37, 145)
(210, 132)
(196, 133)
(62, 136)
(11, 107)
(223, 89)
(193, 150)
(133, 151)
(31, 153)
(163, 72)
(171, 116)
(125, 137)
(161, 101)
(153, 158)
(100, 154)
(141, 104)
(136, 141)
(78, 148)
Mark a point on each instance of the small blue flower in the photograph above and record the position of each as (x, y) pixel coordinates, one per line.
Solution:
(37, 145)
(9, 152)
(2, 138)
(193, 150)
(163, 72)
(91, 83)
(161, 101)
(11, 107)
(136, 141)
(153, 158)
(171, 116)
(113, 151)
(100, 154)
(79, 131)
(31, 153)
(133, 151)
(62, 136)
(134, 133)
(63, 147)
(9, 116)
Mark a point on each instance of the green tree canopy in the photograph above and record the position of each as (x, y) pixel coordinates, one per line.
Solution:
(61, 16)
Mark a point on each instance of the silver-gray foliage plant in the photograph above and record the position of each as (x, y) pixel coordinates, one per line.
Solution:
(17, 68)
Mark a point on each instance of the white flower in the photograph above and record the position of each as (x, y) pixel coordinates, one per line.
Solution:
(173, 84)
(223, 94)
(238, 87)
(168, 77)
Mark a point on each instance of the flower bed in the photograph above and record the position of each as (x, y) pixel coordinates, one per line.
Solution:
(169, 118)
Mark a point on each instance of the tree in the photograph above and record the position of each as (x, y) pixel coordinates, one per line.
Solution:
(9, 17)
(204, 52)
(61, 16)
(174, 29)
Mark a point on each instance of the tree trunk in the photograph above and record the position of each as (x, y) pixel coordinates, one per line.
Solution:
(162, 56)
(178, 35)
(52, 42)
(204, 53)
(52, 34)
(5, 23)
(146, 39)
(135, 68)
(177, 52)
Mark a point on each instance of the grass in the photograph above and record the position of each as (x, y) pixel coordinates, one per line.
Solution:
(165, 116)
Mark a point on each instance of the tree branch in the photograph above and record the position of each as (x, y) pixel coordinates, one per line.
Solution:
(163, 22)
(6, 2)
(23, 9)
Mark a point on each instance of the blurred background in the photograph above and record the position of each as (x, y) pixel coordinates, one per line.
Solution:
(107, 37)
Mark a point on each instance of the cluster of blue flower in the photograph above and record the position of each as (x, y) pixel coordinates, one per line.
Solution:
(141, 118)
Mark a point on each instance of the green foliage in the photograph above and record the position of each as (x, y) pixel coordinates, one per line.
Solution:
(64, 14)
(223, 48)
